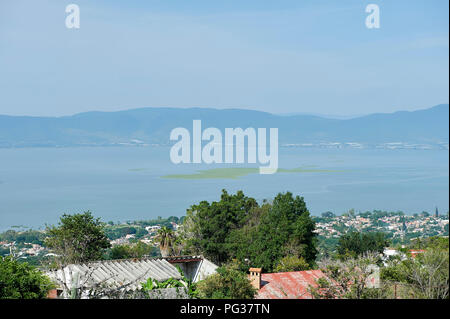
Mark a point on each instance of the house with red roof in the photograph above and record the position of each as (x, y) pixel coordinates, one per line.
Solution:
(284, 285)
(415, 252)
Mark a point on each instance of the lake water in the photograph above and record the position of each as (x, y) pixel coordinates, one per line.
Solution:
(37, 185)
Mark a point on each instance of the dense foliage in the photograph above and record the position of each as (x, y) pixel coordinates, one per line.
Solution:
(137, 250)
(118, 232)
(236, 227)
(425, 275)
(354, 244)
(21, 281)
(228, 283)
(347, 279)
(291, 263)
(209, 225)
(28, 236)
(77, 238)
(285, 230)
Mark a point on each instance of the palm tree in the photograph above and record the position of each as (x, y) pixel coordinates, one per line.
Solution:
(165, 238)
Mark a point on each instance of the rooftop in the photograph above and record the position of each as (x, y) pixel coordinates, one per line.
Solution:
(288, 285)
(127, 273)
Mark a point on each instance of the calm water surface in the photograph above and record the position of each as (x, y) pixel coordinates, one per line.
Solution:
(37, 185)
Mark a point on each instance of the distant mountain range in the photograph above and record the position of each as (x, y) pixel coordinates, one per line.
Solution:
(153, 126)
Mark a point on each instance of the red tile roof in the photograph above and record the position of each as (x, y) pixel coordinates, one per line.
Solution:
(415, 252)
(288, 285)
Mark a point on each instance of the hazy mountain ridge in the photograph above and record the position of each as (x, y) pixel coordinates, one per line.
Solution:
(153, 126)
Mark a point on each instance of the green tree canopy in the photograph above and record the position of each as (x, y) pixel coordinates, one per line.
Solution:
(426, 275)
(328, 215)
(22, 281)
(354, 244)
(259, 236)
(285, 230)
(291, 263)
(137, 250)
(208, 225)
(77, 238)
(228, 283)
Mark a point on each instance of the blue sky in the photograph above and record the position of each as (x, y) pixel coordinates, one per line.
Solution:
(275, 56)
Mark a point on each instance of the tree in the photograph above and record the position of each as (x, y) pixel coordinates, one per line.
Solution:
(347, 279)
(429, 274)
(354, 244)
(120, 252)
(238, 228)
(241, 241)
(228, 283)
(291, 263)
(138, 250)
(78, 238)
(287, 229)
(436, 242)
(22, 281)
(425, 276)
(207, 226)
(328, 215)
(165, 238)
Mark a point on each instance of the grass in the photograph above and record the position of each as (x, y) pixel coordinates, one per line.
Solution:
(304, 170)
(236, 172)
(229, 172)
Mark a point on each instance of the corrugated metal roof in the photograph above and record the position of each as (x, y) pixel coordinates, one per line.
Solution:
(115, 273)
(288, 285)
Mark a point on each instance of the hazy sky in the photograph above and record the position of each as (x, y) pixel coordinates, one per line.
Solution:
(276, 56)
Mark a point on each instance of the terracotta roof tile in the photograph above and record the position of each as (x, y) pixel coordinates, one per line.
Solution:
(288, 285)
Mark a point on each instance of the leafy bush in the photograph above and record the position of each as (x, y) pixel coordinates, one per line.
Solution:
(426, 276)
(347, 279)
(22, 281)
(77, 238)
(228, 283)
(354, 244)
(291, 263)
(137, 250)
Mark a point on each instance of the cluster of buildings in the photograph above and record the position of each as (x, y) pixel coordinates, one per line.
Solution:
(24, 250)
(122, 240)
(390, 146)
(395, 224)
(148, 239)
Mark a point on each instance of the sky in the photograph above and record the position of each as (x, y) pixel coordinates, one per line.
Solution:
(276, 56)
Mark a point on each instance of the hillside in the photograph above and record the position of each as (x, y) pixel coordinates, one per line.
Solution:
(153, 126)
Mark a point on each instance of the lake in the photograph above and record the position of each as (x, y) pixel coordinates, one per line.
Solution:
(37, 185)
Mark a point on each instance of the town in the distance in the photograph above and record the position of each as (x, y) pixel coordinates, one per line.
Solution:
(400, 228)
